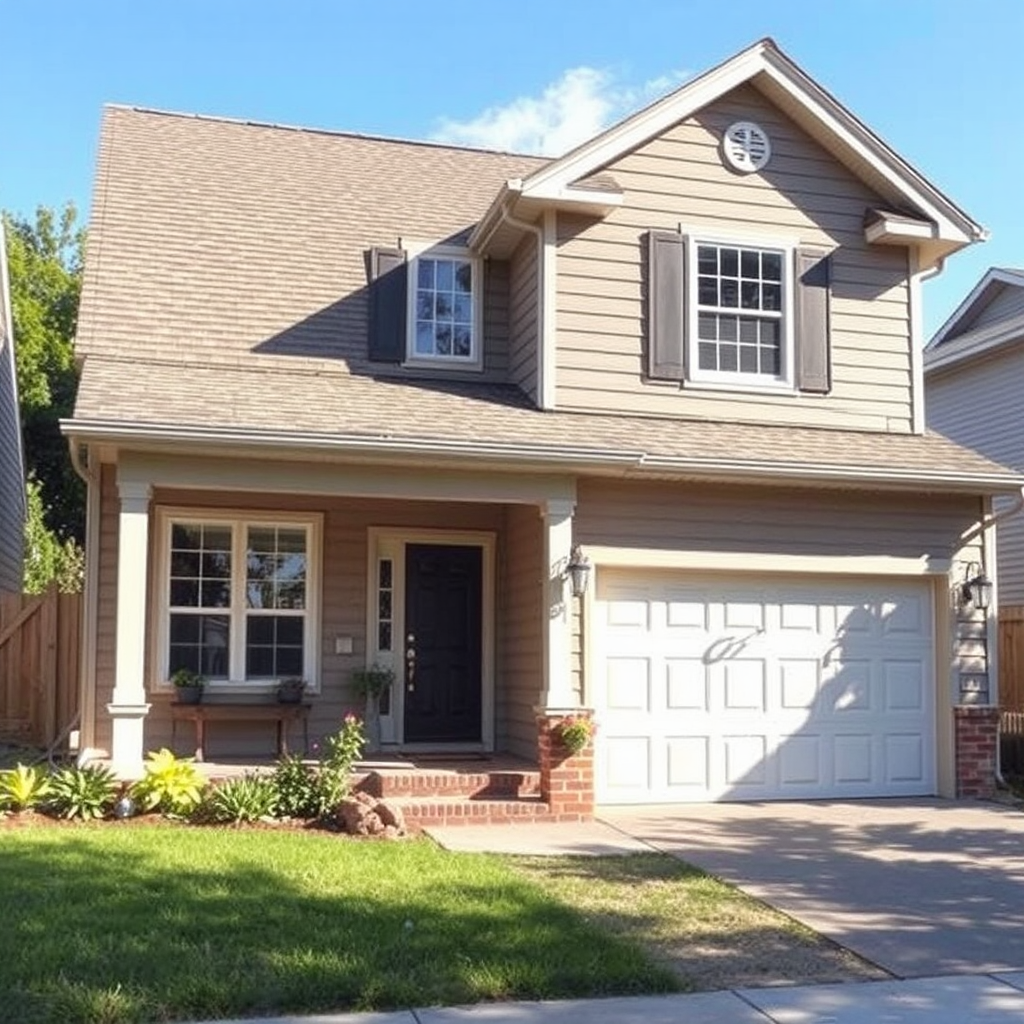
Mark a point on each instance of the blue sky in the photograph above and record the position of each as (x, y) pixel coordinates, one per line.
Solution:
(940, 80)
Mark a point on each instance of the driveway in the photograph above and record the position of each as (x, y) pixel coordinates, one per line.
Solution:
(921, 888)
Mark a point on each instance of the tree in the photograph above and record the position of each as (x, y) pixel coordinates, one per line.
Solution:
(48, 561)
(45, 264)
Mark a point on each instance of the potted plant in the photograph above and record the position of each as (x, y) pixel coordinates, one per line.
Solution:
(372, 683)
(188, 686)
(290, 690)
(575, 732)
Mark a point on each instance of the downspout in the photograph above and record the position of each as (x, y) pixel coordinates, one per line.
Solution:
(981, 527)
(90, 614)
(538, 233)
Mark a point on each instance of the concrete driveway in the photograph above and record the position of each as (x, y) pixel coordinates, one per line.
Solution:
(921, 888)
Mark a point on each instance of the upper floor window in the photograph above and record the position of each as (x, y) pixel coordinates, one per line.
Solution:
(444, 321)
(741, 328)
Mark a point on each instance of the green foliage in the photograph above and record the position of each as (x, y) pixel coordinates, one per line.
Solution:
(170, 784)
(48, 560)
(23, 787)
(185, 677)
(83, 792)
(295, 785)
(247, 799)
(576, 732)
(341, 751)
(372, 681)
(45, 262)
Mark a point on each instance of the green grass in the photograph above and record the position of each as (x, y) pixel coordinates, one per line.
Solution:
(111, 924)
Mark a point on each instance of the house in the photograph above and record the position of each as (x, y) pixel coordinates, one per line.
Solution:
(350, 401)
(12, 458)
(973, 368)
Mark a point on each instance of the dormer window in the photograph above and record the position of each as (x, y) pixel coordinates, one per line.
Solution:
(444, 315)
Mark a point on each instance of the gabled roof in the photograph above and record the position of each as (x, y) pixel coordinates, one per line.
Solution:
(819, 113)
(959, 339)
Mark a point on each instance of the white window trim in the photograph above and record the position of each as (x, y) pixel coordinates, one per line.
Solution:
(722, 380)
(475, 360)
(237, 519)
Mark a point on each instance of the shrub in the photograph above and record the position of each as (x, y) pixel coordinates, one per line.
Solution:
(83, 792)
(171, 784)
(249, 798)
(576, 732)
(341, 751)
(295, 785)
(23, 787)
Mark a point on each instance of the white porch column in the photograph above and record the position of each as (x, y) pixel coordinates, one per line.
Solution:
(558, 693)
(128, 707)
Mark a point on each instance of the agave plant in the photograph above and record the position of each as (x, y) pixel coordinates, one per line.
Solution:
(23, 787)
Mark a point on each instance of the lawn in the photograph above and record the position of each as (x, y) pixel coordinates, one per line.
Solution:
(108, 924)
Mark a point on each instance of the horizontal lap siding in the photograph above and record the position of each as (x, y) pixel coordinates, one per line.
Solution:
(520, 614)
(12, 486)
(522, 345)
(804, 196)
(769, 520)
(978, 404)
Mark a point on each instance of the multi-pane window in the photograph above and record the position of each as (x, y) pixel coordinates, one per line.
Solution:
(443, 321)
(238, 601)
(740, 328)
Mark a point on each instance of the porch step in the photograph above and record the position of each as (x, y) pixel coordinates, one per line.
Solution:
(428, 811)
(501, 784)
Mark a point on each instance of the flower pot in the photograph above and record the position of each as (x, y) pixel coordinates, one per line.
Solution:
(189, 694)
(290, 693)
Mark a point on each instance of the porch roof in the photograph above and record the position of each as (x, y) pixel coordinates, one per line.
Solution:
(319, 406)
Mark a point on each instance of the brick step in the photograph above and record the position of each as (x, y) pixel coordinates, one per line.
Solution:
(498, 785)
(425, 811)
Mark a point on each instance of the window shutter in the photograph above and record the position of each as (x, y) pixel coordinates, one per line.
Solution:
(666, 306)
(388, 277)
(813, 280)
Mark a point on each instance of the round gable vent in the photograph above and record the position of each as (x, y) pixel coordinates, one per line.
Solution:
(746, 147)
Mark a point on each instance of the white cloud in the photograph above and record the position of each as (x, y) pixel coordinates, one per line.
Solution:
(572, 109)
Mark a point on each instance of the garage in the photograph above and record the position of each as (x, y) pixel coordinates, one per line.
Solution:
(774, 687)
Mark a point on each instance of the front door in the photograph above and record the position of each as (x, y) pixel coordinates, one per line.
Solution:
(443, 649)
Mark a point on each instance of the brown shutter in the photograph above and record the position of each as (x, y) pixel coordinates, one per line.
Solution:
(388, 276)
(666, 306)
(813, 278)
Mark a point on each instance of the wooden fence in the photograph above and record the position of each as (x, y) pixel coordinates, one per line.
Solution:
(40, 653)
(1011, 741)
(1011, 658)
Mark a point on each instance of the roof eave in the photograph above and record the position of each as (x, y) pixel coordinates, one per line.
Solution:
(624, 462)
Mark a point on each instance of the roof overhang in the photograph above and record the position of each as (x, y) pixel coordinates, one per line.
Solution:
(836, 128)
(492, 455)
(974, 344)
(994, 277)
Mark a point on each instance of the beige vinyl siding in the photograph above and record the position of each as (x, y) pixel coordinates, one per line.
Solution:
(522, 356)
(805, 197)
(12, 485)
(520, 615)
(1008, 301)
(784, 521)
(979, 405)
(343, 608)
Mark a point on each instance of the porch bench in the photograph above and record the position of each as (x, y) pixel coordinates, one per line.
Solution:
(234, 710)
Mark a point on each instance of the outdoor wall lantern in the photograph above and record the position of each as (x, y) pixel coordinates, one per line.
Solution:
(976, 589)
(578, 571)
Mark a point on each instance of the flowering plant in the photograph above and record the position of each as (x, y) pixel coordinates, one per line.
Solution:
(575, 732)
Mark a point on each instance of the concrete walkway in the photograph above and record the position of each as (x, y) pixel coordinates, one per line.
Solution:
(979, 999)
(920, 887)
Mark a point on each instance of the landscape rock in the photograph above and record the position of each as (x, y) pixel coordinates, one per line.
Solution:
(365, 815)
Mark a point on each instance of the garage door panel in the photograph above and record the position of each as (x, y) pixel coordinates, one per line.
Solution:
(727, 688)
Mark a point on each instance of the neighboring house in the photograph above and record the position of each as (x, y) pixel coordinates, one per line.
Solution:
(974, 368)
(350, 401)
(12, 459)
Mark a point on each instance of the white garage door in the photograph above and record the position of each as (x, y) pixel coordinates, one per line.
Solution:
(766, 688)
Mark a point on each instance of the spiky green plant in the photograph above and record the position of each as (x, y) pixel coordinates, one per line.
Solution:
(250, 798)
(24, 787)
(85, 793)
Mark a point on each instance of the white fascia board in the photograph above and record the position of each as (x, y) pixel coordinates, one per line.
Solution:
(994, 275)
(886, 231)
(625, 462)
(763, 57)
(974, 344)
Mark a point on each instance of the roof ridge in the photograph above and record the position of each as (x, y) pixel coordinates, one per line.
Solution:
(312, 130)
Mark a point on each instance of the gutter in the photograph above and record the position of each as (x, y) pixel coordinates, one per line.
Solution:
(570, 457)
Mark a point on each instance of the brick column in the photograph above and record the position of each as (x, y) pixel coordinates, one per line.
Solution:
(977, 733)
(566, 780)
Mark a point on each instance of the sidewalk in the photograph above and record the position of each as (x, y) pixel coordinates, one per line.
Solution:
(954, 999)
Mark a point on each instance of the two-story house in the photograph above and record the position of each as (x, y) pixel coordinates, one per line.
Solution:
(352, 401)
